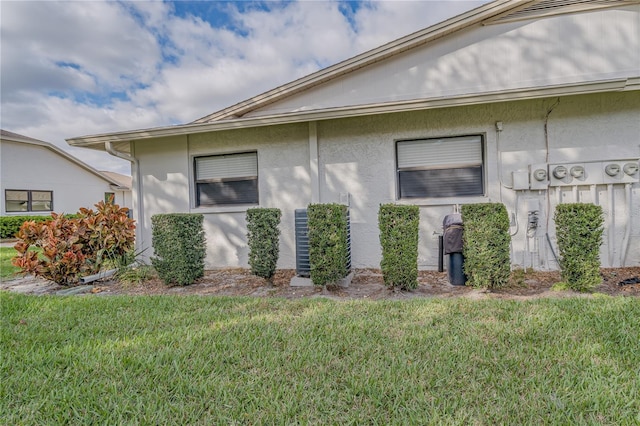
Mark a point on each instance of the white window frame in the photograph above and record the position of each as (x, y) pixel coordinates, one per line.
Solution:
(225, 176)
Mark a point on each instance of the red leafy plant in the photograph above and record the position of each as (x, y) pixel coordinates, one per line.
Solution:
(73, 248)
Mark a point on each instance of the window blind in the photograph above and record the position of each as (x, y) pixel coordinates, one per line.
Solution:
(227, 166)
(17, 195)
(450, 152)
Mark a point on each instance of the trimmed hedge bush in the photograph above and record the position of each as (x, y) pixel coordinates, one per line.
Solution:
(486, 240)
(179, 246)
(263, 239)
(399, 227)
(579, 229)
(10, 225)
(328, 242)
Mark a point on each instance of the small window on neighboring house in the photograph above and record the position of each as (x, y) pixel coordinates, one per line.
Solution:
(28, 201)
(109, 197)
(226, 179)
(445, 167)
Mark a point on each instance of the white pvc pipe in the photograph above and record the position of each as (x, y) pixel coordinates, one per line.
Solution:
(98, 276)
(559, 194)
(627, 231)
(612, 224)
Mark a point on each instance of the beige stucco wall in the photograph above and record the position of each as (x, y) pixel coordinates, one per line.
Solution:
(166, 167)
(357, 156)
(34, 167)
(356, 160)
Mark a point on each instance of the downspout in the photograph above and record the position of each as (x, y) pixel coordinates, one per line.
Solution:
(138, 186)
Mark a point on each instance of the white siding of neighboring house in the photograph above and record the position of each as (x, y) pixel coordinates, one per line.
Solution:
(356, 156)
(34, 167)
(564, 49)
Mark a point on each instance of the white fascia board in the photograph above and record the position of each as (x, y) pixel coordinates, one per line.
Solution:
(357, 111)
(557, 8)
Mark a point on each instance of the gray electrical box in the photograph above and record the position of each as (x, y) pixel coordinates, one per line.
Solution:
(520, 180)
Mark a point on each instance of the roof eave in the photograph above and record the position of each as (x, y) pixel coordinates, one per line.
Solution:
(362, 110)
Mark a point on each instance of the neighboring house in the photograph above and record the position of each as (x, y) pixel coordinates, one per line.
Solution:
(38, 178)
(526, 103)
(122, 198)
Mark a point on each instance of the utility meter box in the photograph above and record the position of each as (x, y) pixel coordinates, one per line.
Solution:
(520, 180)
(539, 176)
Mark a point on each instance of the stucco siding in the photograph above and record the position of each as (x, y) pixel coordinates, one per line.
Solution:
(164, 175)
(559, 50)
(357, 166)
(283, 179)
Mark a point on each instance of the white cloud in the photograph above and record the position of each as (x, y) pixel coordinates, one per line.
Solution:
(62, 60)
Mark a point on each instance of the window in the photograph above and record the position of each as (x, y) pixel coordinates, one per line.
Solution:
(445, 167)
(28, 201)
(226, 179)
(109, 197)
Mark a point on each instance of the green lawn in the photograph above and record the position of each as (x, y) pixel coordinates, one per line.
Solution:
(7, 270)
(208, 360)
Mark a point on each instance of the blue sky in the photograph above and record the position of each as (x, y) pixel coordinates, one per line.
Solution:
(75, 68)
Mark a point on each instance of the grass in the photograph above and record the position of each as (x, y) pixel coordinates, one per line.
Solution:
(209, 360)
(7, 270)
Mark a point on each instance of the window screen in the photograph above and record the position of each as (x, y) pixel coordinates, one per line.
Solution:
(446, 167)
(227, 179)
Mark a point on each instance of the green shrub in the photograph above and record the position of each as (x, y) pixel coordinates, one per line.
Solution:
(328, 242)
(486, 240)
(179, 247)
(399, 240)
(10, 225)
(263, 239)
(579, 230)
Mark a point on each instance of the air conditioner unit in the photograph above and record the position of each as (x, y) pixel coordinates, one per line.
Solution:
(303, 264)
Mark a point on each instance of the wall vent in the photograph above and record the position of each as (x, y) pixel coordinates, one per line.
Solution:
(303, 265)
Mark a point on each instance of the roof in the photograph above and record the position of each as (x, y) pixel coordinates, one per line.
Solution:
(497, 11)
(6, 135)
(123, 180)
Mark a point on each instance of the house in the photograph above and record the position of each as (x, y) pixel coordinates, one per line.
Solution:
(38, 178)
(526, 103)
